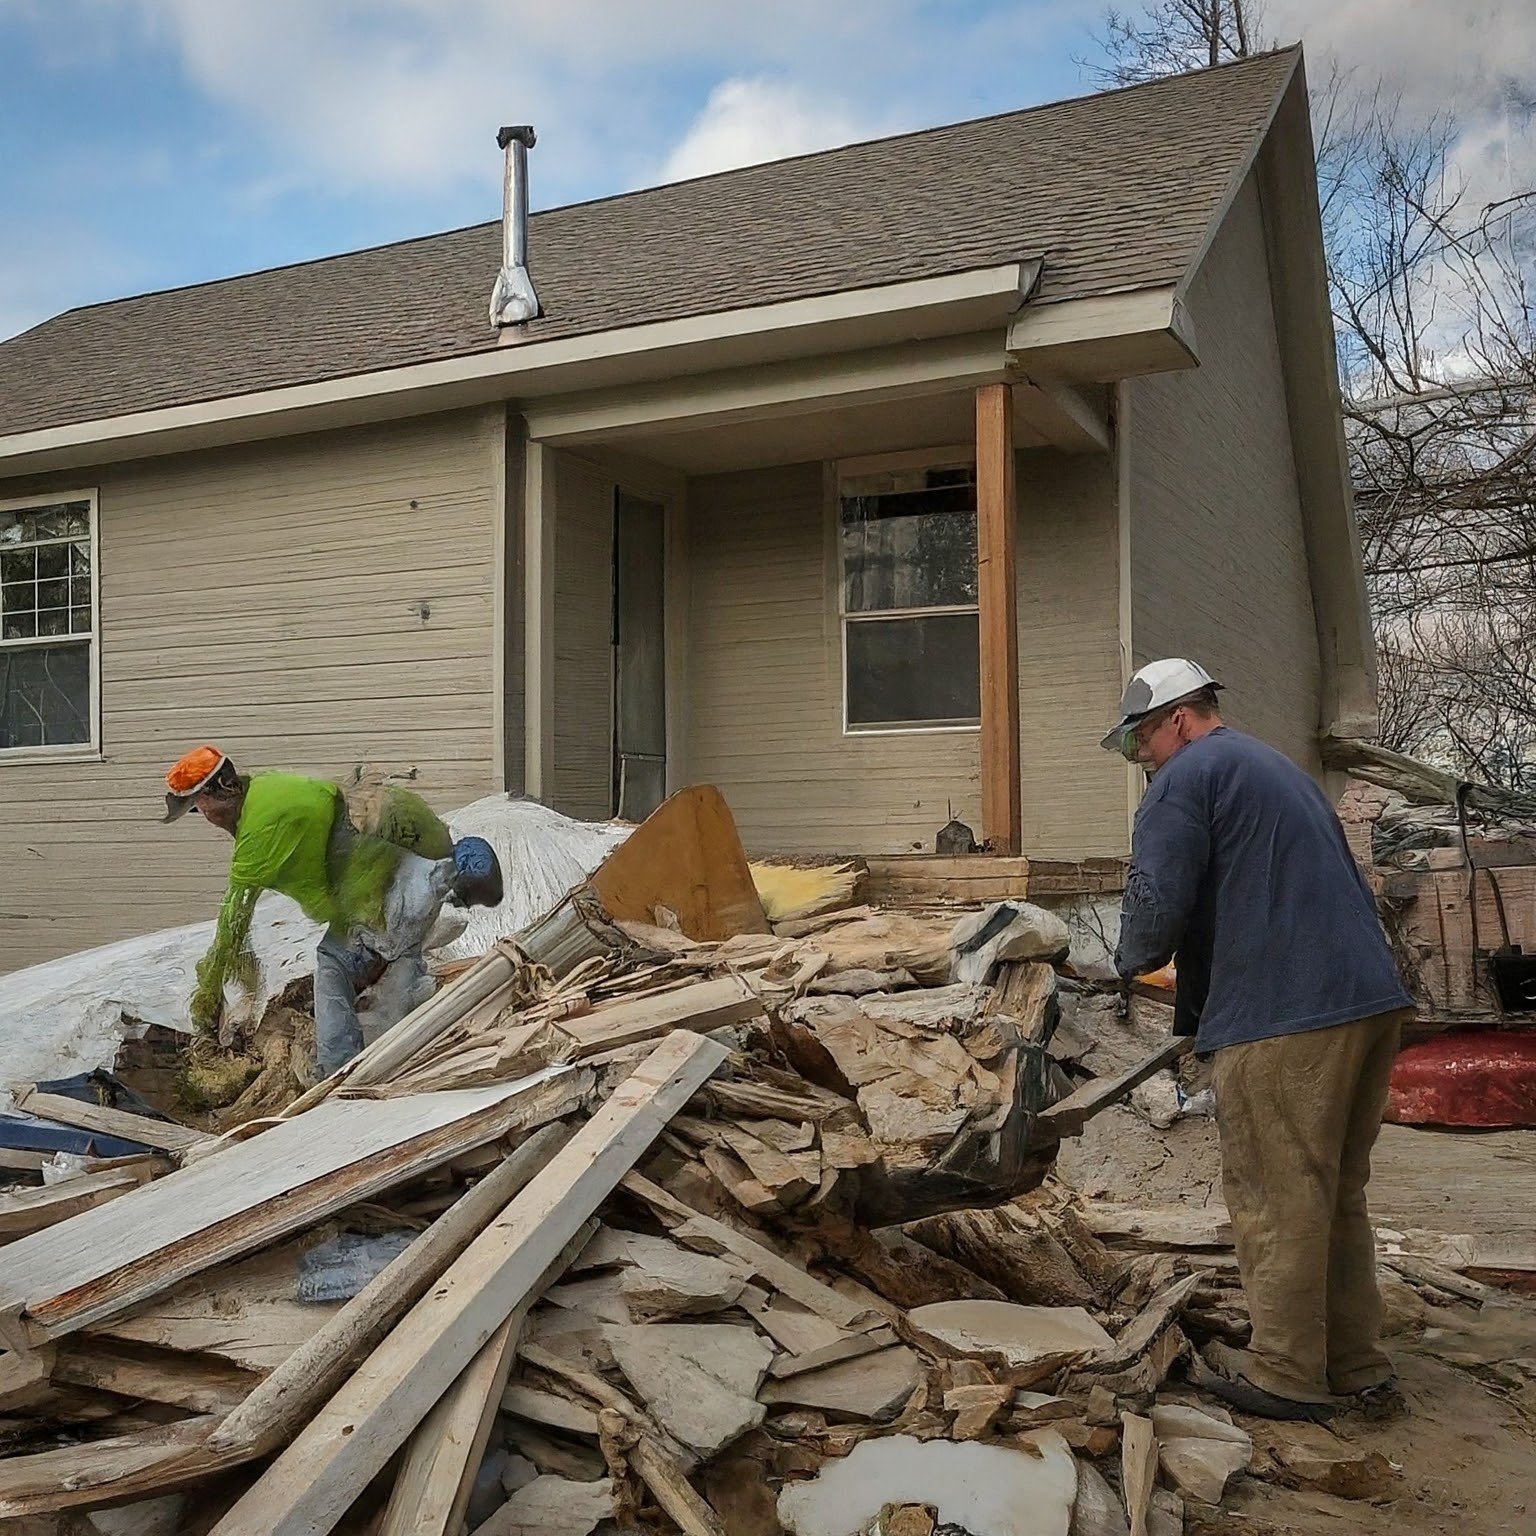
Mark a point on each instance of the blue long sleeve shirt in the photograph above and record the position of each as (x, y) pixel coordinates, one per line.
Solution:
(1239, 867)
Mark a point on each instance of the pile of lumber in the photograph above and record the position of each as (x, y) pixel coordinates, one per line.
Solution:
(643, 1222)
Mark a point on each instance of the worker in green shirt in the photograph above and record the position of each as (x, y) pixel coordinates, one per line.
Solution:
(374, 867)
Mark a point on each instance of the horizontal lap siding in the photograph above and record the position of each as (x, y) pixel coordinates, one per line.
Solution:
(1218, 551)
(269, 599)
(1073, 793)
(765, 679)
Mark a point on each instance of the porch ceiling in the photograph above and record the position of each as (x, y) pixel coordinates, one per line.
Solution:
(929, 421)
(919, 396)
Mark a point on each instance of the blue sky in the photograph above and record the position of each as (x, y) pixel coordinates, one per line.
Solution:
(151, 143)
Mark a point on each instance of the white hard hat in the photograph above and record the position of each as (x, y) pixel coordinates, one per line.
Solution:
(1156, 684)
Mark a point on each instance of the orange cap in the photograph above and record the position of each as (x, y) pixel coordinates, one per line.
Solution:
(190, 775)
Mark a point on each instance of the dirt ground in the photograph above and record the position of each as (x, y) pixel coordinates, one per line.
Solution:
(1463, 1459)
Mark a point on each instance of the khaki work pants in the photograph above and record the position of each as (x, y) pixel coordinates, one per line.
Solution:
(1298, 1115)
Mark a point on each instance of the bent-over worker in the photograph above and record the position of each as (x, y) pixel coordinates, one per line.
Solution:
(1240, 869)
(375, 868)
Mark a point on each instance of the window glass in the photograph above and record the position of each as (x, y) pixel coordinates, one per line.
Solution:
(45, 597)
(914, 671)
(907, 543)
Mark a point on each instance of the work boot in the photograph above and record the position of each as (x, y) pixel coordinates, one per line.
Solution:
(1221, 1376)
(1380, 1403)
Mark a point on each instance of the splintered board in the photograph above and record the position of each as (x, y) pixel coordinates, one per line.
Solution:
(247, 1194)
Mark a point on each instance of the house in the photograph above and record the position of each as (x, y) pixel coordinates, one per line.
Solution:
(854, 483)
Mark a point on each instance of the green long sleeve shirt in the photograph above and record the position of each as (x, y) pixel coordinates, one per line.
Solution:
(287, 840)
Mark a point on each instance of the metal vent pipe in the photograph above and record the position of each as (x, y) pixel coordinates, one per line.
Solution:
(513, 301)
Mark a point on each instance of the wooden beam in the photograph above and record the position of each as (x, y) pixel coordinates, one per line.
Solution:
(433, 1487)
(997, 585)
(251, 1193)
(339, 1452)
(1062, 413)
(1068, 1117)
(277, 1408)
(110, 1122)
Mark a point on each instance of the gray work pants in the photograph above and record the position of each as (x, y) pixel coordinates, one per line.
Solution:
(347, 963)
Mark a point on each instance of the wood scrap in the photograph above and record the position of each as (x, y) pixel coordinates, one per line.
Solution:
(711, 1236)
(164, 1134)
(433, 1486)
(1068, 1117)
(35, 1210)
(251, 1193)
(343, 1447)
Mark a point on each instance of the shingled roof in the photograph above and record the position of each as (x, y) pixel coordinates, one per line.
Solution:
(1115, 191)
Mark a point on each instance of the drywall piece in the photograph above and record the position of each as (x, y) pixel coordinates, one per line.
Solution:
(872, 1387)
(699, 1380)
(1199, 1454)
(1019, 1335)
(1098, 1511)
(552, 1506)
(987, 1490)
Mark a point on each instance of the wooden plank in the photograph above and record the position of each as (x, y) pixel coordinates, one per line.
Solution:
(23, 1160)
(1069, 1116)
(789, 1279)
(251, 1193)
(437, 1476)
(246, 1313)
(75, 1475)
(702, 1006)
(110, 1122)
(334, 1457)
(276, 1409)
(200, 1383)
(34, 1210)
(997, 586)
(288, 1397)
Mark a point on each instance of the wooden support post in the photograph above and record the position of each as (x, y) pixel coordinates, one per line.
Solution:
(997, 588)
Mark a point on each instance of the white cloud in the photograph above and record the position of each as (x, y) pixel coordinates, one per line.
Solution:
(746, 121)
(1473, 61)
(405, 95)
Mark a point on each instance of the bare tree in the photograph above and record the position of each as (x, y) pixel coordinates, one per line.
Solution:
(1436, 339)
(1169, 37)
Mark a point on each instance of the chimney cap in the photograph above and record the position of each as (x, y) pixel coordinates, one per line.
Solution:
(523, 133)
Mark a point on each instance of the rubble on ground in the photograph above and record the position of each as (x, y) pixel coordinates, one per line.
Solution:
(634, 1226)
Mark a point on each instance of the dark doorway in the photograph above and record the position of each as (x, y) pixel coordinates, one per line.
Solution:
(640, 656)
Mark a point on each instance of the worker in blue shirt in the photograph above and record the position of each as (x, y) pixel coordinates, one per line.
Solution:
(1240, 869)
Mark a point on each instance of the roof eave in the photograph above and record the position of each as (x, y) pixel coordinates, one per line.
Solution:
(523, 369)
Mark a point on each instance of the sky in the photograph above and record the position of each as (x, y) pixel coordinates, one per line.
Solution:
(153, 143)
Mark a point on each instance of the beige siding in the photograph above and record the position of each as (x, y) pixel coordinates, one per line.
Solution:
(1218, 552)
(1069, 657)
(765, 679)
(322, 604)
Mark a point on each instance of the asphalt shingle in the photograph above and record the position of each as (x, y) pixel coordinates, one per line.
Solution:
(1115, 190)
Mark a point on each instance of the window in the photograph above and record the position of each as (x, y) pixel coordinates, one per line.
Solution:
(47, 624)
(911, 654)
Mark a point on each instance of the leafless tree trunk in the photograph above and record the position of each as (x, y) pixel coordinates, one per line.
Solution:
(1436, 338)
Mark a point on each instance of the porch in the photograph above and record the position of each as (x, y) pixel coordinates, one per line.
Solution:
(863, 595)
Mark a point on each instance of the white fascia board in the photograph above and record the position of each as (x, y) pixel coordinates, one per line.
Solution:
(1105, 337)
(857, 318)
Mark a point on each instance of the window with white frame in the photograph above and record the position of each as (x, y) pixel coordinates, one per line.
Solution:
(911, 650)
(47, 624)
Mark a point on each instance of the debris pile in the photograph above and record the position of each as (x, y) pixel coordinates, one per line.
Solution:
(651, 1219)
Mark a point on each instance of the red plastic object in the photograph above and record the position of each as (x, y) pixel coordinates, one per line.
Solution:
(1483, 1078)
